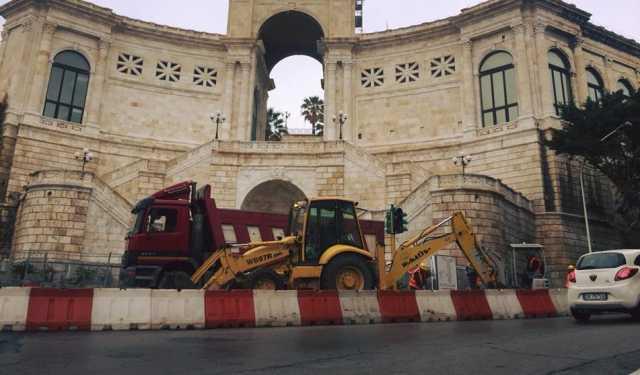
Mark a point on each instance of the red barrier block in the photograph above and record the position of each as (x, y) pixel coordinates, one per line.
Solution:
(398, 306)
(229, 309)
(59, 309)
(536, 303)
(319, 307)
(471, 305)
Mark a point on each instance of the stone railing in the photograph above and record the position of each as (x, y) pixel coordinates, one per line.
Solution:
(131, 171)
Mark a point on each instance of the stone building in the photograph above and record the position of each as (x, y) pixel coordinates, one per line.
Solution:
(486, 82)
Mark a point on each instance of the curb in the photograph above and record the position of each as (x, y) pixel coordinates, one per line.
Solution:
(42, 309)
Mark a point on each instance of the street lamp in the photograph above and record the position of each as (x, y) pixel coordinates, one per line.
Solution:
(340, 120)
(85, 157)
(218, 118)
(584, 200)
(462, 160)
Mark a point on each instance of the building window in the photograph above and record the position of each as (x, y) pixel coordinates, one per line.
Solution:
(624, 86)
(595, 87)
(68, 85)
(498, 89)
(443, 66)
(373, 77)
(560, 80)
(409, 72)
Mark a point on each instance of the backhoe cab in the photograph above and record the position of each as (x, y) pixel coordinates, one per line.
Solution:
(324, 248)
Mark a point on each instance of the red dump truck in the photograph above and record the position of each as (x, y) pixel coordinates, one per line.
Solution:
(178, 227)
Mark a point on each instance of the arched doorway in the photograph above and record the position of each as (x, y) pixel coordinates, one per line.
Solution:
(295, 35)
(274, 196)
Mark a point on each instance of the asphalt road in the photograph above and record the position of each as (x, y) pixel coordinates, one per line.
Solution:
(545, 346)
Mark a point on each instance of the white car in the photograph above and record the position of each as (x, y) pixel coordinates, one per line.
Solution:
(605, 281)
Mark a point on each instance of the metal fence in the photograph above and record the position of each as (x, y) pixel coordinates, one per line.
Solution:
(74, 271)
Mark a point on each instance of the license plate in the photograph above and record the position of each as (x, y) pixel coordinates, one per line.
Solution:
(594, 296)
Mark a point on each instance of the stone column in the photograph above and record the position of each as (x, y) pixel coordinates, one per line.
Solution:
(349, 128)
(96, 88)
(545, 91)
(525, 97)
(579, 79)
(227, 100)
(244, 98)
(330, 101)
(610, 78)
(41, 69)
(469, 84)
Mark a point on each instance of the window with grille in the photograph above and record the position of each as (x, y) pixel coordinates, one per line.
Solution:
(595, 87)
(560, 80)
(498, 95)
(68, 86)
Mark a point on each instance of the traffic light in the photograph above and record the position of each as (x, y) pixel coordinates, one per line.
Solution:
(399, 221)
(389, 221)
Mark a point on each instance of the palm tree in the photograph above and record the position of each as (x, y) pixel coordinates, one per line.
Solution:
(276, 126)
(313, 112)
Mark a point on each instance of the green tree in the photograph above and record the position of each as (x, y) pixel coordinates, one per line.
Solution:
(606, 134)
(276, 126)
(313, 112)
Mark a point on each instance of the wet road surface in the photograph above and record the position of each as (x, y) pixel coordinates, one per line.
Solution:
(545, 346)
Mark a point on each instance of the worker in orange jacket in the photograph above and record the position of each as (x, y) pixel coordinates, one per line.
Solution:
(419, 277)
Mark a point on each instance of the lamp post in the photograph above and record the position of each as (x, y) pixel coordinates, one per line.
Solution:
(462, 160)
(584, 200)
(218, 118)
(85, 157)
(340, 120)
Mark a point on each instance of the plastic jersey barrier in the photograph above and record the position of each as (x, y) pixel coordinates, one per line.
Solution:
(121, 309)
(276, 308)
(59, 309)
(319, 307)
(360, 307)
(177, 309)
(471, 305)
(398, 306)
(229, 309)
(504, 304)
(435, 305)
(14, 304)
(536, 303)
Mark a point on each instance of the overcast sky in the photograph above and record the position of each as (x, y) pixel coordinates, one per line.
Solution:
(298, 77)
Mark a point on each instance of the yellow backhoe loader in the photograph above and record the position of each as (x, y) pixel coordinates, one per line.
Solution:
(326, 249)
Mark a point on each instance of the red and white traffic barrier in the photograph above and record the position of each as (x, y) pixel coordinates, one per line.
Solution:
(114, 309)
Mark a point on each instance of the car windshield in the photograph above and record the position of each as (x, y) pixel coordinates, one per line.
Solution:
(598, 261)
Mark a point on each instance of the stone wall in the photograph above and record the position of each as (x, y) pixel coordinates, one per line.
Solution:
(498, 215)
(7, 221)
(70, 215)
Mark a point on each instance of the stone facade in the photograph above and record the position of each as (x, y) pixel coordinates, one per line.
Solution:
(413, 97)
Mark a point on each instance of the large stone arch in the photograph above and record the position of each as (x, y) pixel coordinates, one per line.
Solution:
(290, 33)
(275, 196)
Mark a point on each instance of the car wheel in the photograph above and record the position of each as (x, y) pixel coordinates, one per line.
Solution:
(580, 316)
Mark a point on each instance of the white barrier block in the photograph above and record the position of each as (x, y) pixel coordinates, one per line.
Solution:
(560, 301)
(360, 307)
(276, 308)
(121, 309)
(14, 304)
(177, 309)
(504, 304)
(435, 305)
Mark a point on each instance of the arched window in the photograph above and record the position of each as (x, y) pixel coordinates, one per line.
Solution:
(624, 86)
(68, 86)
(560, 80)
(595, 88)
(498, 89)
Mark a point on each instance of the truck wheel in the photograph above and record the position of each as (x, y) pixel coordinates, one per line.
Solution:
(265, 280)
(176, 280)
(347, 272)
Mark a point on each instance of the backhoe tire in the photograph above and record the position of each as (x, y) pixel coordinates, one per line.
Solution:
(176, 280)
(348, 272)
(266, 280)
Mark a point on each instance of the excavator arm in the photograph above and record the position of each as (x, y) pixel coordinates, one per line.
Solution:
(421, 247)
(226, 265)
